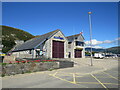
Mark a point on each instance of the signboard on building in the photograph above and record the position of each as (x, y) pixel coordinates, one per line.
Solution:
(61, 38)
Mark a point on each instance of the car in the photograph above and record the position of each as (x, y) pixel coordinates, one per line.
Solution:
(114, 56)
(107, 56)
(99, 55)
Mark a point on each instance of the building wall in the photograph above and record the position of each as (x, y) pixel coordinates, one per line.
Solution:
(47, 47)
(83, 52)
(73, 47)
(80, 38)
(59, 34)
(24, 54)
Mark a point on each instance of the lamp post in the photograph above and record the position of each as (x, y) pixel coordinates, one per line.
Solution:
(89, 13)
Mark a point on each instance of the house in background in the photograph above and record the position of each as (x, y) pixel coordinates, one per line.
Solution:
(51, 45)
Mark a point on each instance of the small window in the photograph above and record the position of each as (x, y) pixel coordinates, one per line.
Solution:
(78, 43)
(69, 42)
(75, 37)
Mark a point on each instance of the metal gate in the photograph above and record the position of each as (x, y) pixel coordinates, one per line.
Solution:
(58, 49)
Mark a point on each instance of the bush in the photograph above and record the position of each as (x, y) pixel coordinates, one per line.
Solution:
(28, 72)
(3, 75)
(3, 63)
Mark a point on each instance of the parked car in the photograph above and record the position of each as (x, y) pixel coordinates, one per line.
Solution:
(99, 55)
(114, 56)
(111, 56)
(107, 56)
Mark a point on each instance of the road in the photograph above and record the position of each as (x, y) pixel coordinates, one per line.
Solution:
(103, 74)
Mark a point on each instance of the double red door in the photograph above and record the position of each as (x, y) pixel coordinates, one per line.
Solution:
(58, 49)
(78, 53)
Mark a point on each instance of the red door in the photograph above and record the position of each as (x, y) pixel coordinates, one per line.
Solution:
(78, 53)
(58, 49)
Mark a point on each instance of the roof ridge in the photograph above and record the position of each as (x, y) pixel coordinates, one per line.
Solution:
(50, 32)
(43, 34)
(46, 33)
(73, 35)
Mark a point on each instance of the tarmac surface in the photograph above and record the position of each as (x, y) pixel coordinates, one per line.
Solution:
(103, 74)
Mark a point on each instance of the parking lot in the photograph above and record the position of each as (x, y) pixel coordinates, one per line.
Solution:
(103, 74)
(102, 79)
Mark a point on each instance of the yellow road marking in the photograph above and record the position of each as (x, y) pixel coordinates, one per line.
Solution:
(111, 83)
(82, 73)
(74, 80)
(65, 80)
(102, 77)
(63, 75)
(61, 78)
(89, 82)
(111, 76)
(53, 74)
(99, 81)
(79, 76)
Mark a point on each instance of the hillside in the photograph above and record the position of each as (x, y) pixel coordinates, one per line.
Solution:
(10, 34)
(94, 49)
(114, 50)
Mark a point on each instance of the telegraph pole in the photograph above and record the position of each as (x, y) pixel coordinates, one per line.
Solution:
(89, 13)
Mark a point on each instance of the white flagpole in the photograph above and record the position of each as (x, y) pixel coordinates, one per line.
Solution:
(90, 35)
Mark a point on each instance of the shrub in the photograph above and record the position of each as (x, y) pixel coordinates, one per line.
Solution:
(28, 72)
(2, 75)
(3, 63)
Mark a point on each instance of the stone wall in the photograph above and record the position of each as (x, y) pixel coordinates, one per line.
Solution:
(12, 69)
(7, 59)
(7, 69)
(65, 64)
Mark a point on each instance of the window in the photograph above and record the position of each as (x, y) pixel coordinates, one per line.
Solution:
(75, 37)
(69, 42)
(78, 43)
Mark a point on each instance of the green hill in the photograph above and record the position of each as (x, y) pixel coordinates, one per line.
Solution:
(115, 50)
(10, 34)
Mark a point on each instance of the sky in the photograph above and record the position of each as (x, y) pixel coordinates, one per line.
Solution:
(71, 18)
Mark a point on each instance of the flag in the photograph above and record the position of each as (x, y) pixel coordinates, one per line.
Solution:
(81, 32)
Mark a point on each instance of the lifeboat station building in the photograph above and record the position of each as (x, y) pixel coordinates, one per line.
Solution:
(51, 45)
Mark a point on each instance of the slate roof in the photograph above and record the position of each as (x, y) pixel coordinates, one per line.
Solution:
(30, 44)
(72, 37)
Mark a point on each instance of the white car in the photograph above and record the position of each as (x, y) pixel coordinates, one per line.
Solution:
(99, 55)
(114, 56)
